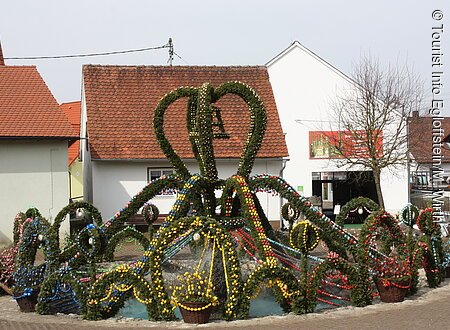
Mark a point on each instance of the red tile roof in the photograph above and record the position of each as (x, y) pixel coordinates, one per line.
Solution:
(120, 101)
(421, 139)
(72, 110)
(28, 108)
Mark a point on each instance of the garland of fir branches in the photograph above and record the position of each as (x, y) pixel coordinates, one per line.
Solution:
(27, 276)
(48, 291)
(128, 232)
(433, 256)
(354, 204)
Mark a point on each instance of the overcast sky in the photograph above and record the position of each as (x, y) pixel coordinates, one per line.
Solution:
(243, 32)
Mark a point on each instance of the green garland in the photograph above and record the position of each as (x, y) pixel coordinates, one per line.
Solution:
(392, 235)
(286, 288)
(426, 224)
(47, 291)
(150, 213)
(91, 242)
(409, 215)
(19, 226)
(158, 126)
(128, 232)
(360, 294)
(304, 237)
(434, 254)
(332, 234)
(289, 214)
(353, 204)
(213, 230)
(199, 122)
(258, 121)
(120, 280)
(32, 213)
(61, 216)
(154, 188)
(38, 233)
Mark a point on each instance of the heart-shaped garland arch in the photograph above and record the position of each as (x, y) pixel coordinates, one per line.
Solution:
(200, 127)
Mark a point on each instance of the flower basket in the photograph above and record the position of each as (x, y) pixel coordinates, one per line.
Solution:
(195, 312)
(27, 301)
(195, 297)
(392, 292)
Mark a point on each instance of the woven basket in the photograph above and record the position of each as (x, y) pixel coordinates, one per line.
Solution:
(391, 293)
(199, 317)
(28, 304)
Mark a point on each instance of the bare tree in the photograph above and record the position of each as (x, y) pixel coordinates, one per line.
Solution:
(370, 119)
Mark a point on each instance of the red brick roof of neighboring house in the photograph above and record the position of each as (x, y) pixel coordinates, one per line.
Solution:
(120, 101)
(28, 108)
(72, 110)
(421, 139)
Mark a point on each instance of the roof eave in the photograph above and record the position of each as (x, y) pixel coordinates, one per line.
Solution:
(62, 138)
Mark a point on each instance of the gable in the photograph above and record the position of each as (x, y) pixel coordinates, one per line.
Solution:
(28, 108)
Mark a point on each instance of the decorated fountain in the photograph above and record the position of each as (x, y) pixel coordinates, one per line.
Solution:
(224, 229)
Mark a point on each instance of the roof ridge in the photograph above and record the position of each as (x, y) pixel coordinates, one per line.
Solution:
(17, 66)
(176, 66)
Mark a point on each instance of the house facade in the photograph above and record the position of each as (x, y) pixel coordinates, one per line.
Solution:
(430, 159)
(34, 137)
(72, 111)
(304, 87)
(119, 150)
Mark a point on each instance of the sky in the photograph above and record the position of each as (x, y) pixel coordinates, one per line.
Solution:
(243, 32)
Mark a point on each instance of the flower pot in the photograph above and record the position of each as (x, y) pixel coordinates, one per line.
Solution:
(195, 312)
(392, 292)
(27, 301)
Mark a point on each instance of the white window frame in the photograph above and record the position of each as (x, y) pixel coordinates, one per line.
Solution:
(161, 170)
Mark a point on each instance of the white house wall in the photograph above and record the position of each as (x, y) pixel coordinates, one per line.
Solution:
(116, 182)
(32, 174)
(304, 86)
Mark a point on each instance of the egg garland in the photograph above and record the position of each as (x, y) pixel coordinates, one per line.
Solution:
(290, 214)
(360, 296)
(150, 213)
(358, 204)
(285, 286)
(126, 233)
(409, 215)
(197, 192)
(94, 214)
(432, 238)
(91, 241)
(28, 277)
(102, 303)
(53, 283)
(304, 237)
(212, 230)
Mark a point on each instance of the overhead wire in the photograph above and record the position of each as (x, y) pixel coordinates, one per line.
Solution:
(89, 54)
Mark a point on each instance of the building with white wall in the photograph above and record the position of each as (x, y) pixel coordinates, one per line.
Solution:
(34, 137)
(304, 87)
(119, 149)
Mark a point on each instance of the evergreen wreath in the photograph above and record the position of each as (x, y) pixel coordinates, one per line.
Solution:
(353, 205)
(126, 233)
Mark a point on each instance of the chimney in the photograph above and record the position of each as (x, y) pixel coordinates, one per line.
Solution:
(415, 114)
(2, 61)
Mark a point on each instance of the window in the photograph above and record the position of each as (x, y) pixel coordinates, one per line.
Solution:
(156, 173)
